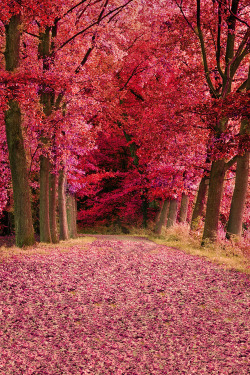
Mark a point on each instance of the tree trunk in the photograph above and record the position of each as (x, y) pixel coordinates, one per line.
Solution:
(172, 215)
(47, 100)
(200, 203)
(158, 214)
(45, 235)
(234, 226)
(18, 163)
(75, 217)
(215, 191)
(71, 215)
(144, 211)
(184, 208)
(163, 216)
(52, 207)
(64, 234)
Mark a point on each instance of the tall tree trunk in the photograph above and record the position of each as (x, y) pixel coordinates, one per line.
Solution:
(184, 208)
(172, 215)
(75, 217)
(163, 216)
(18, 163)
(144, 211)
(45, 235)
(52, 207)
(234, 226)
(71, 215)
(47, 101)
(241, 181)
(200, 203)
(62, 202)
(215, 191)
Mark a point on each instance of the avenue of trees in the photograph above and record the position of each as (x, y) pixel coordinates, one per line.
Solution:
(124, 112)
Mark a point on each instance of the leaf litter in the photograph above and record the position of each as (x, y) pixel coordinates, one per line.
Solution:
(122, 308)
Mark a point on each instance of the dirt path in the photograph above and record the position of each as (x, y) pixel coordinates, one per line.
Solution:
(122, 306)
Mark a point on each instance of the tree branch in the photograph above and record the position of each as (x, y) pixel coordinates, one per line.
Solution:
(231, 162)
(71, 9)
(34, 35)
(182, 12)
(84, 60)
(138, 96)
(130, 77)
(218, 50)
(240, 53)
(203, 51)
(94, 23)
(232, 13)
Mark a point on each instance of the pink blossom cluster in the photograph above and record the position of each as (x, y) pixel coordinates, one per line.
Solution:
(122, 307)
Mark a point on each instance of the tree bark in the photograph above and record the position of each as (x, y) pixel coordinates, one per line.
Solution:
(184, 208)
(234, 226)
(64, 234)
(71, 215)
(172, 215)
(215, 191)
(47, 101)
(52, 207)
(45, 235)
(163, 216)
(158, 214)
(200, 203)
(75, 217)
(144, 211)
(24, 231)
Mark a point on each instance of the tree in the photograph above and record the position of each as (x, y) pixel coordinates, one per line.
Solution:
(234, 226)
(18, 162)
(222, 64)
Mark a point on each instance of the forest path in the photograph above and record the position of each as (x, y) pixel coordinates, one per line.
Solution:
(118, 237)
(115, 306)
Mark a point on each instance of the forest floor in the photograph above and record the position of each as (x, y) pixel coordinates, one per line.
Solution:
(120, 305)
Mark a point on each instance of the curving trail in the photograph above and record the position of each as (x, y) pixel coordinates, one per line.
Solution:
(122, 307)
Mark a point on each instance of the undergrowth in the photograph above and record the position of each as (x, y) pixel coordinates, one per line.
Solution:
(232, 254)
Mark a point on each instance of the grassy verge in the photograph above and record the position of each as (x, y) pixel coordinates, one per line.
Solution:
(233, 255)
(44, 248)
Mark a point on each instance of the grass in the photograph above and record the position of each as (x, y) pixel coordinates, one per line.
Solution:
(231, 254)
(44, 248)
